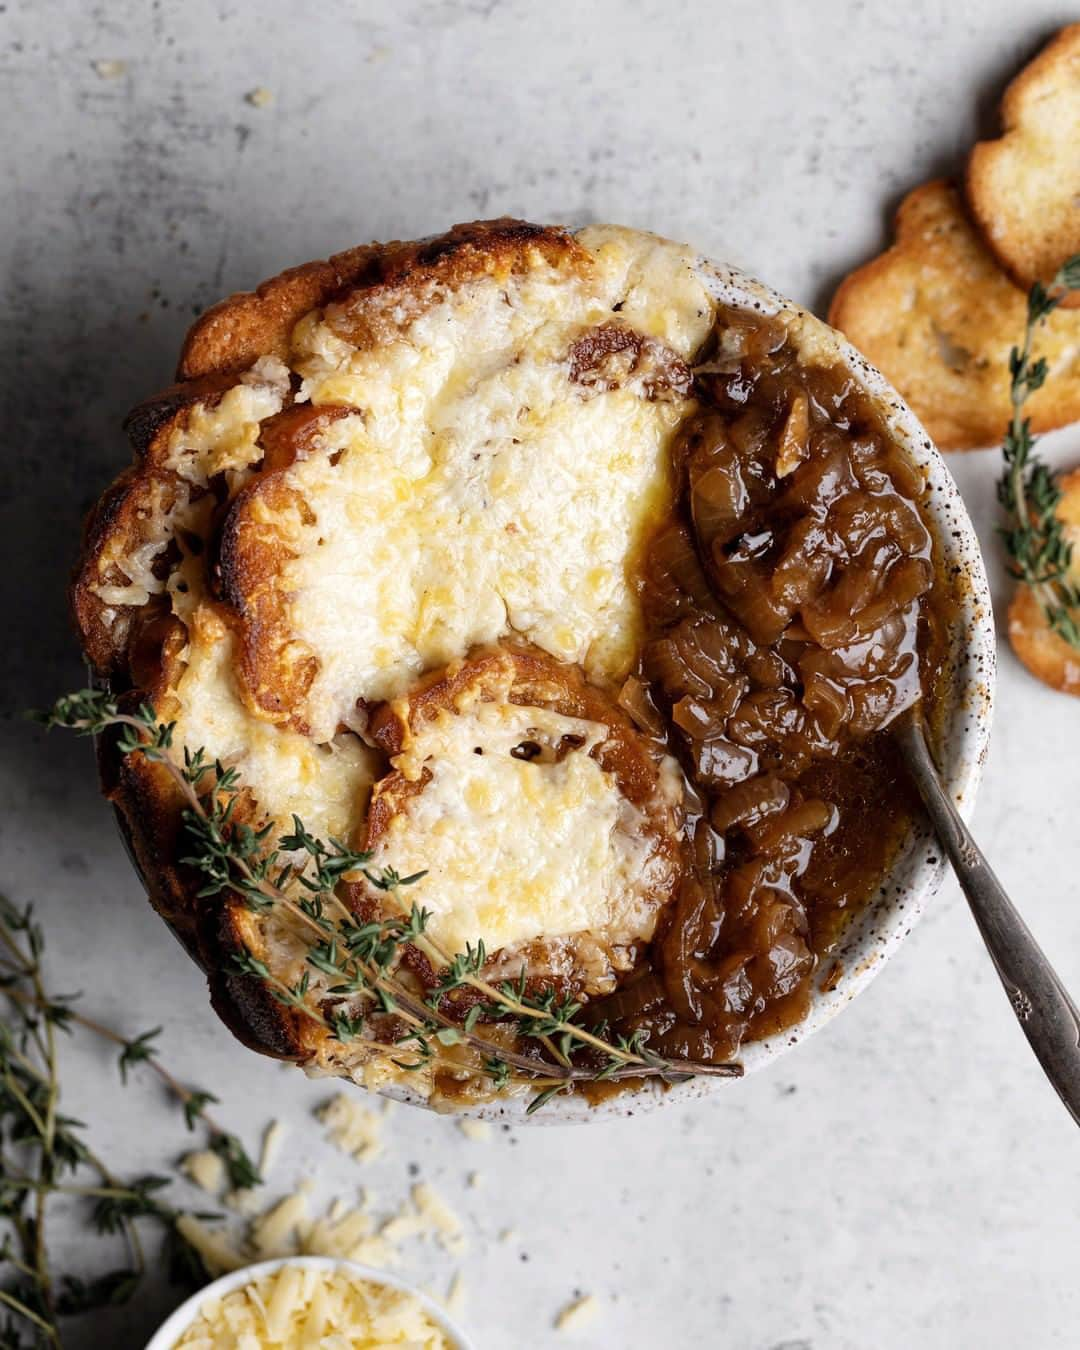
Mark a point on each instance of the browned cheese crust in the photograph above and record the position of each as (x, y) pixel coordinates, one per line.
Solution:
(525, 676)
(537, 682)
(137, 648)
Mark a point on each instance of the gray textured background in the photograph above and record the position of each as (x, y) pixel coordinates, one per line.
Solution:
(905, 1179)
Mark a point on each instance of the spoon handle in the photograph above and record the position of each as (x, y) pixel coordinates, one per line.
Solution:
(1043, 1008)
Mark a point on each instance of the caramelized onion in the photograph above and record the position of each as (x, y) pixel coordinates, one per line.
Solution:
(697, 718)
(799, 821)
(786, 615)
(719, 762)
(793, 447)
(719, 501)
(636, 702)
(749, 802)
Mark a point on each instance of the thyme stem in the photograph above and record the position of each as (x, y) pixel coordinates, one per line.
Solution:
(298, 879)
(1040, 554)
(21, 1308)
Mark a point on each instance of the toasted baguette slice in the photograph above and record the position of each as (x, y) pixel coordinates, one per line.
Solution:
(1024, 187)
(545, 821)
(1048, 656)
(938, 317)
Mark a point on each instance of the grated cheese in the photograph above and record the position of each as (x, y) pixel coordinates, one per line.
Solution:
(296, 1308)
(215, 1247)
(438, 1216)
(427, 1215)
(476, 1130)
(582, 1312)
(351, 1127)
(271, 1145)
(243, 1200)
(206, 1169)
(274, 1229)
(455, 1295)
(287, 1228)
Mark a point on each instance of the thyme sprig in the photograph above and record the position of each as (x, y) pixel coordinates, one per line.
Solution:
(351, 982)
(1040, 555)
(45, 1153)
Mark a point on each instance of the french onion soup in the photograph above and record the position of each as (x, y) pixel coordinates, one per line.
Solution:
(539, 619)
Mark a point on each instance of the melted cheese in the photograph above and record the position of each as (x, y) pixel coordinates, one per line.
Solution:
(223, 437)
(208, 439)
(515, 849)
(482, 492)
(326, 785)
(477, 492)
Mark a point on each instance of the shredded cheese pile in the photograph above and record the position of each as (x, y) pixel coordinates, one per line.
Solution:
(295, 1308)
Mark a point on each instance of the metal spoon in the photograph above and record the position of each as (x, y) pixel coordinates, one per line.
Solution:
(1043, 1008)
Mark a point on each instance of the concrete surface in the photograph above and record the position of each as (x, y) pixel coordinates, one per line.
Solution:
(904, 1180)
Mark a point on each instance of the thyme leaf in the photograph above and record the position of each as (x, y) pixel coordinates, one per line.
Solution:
(351, 982)
(45, 1152)
(1039, 553)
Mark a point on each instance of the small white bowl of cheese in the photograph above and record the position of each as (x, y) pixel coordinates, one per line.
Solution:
(301, 1301)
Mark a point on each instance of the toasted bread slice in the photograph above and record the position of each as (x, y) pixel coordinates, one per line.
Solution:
(543, 818)
(1048, 656)
(485, 445)
(231, 376)
(939, 318)
(250, 324)
(1024, 188)
(174, 595)
(183, 439)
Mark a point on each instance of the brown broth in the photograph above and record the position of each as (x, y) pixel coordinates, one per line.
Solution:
(792, 614)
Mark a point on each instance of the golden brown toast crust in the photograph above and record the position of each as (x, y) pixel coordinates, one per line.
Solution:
(938, 317)
(149, 806)
(121, 516)
(139, 650)
(275, 670)
(1022, 187)
(1047, 655)
(536, 681)
(233, 334)
(525, 676)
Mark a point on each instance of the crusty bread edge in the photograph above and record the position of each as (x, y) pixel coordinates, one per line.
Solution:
(879, 264)
(983, 154)
(1043, 652)
(954, 440)
(223, 342)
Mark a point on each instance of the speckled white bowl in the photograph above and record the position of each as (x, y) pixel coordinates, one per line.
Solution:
(917, 873)
(174, 1327)
(970, 671)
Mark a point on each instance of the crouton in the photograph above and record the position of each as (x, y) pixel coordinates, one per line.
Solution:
(938, 316)
(1023, 189)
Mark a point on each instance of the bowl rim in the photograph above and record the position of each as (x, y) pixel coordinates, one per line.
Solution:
(181, 1318)
(920, 866)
